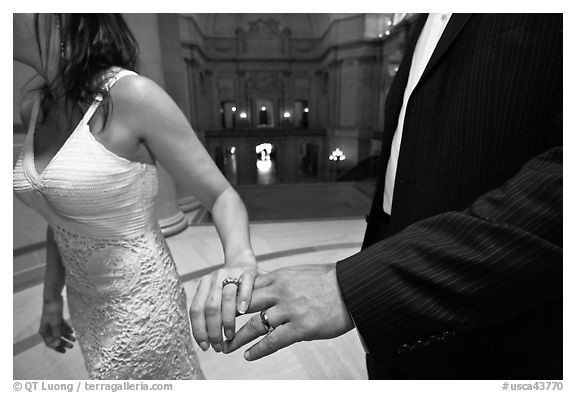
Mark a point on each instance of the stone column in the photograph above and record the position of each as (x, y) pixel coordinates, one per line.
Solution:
(146, 31)
(175, 79)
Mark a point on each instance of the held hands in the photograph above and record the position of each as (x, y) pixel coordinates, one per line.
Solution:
(55, 331)
(301, 303)
(215, 305)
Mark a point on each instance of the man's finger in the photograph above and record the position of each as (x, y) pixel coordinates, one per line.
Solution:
(248, 332)
(261, 299)
(253, 329)
(263, 280)
(281, 337)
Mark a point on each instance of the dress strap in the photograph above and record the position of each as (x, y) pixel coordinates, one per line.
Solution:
(108, 85)
(34, 116)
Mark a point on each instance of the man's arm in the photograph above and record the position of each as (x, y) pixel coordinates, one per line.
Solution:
(460, 270)
(453, 271)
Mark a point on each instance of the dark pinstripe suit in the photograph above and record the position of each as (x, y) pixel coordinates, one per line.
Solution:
(464, 279)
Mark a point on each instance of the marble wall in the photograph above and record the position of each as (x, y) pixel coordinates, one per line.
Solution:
(339, 65)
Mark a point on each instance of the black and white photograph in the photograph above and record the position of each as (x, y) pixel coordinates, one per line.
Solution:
(288, 196)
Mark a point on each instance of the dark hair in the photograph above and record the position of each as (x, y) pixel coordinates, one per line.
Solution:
(89, 44)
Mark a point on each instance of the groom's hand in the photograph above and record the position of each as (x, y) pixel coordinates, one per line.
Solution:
(302, 303)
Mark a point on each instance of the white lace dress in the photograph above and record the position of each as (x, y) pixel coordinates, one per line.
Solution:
(127, 304)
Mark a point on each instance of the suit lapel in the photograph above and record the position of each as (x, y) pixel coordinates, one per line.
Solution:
(453, 28)
(396, 92)
(393, 105)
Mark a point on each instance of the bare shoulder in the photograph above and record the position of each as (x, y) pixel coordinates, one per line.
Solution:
(136, 91)
(144, 106)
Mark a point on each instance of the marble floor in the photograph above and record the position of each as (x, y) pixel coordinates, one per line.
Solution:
(197, 251)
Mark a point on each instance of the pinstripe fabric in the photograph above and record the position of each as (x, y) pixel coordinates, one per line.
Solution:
(445, 286)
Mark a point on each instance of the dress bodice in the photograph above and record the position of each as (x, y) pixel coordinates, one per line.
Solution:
(86, 188)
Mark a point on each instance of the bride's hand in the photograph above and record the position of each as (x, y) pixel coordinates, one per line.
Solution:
(214, 306)
(55, 331)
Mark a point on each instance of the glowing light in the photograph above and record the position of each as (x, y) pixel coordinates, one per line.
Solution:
(233, 150)
(267, 147)
(389, 23)
(380, 35)
(243, 115)
(264, 165)
(233, 109)
(306, 110)
(264, 162)
(286, 115)
(337, 155)
(387, 32)
(263, 108)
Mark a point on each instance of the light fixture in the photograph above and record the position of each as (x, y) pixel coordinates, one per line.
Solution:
(243, 115)
(267, 147)
(337, 155)
(233, 150)
(387, 32)
(380, 35)
(286, 114)
(233, 109)
(389, 22)
(263, 108)
(306, 110)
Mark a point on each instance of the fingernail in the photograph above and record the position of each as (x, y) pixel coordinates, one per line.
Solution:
(242, 308)
(247, 355)
(204, 345)
(229, 334)
(217, 347)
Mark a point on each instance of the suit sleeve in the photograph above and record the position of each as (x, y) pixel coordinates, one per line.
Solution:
(462, 270)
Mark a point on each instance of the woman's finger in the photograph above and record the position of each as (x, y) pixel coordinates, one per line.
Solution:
(245, 292)
(67, 331)
(213, 313)
(197, 310)
(52, 335)
(229, 310)
(64, 343)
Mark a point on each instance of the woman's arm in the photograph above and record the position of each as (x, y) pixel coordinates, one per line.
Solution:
(231, 221)
(144, 110)
(53, 327)
(54, 276)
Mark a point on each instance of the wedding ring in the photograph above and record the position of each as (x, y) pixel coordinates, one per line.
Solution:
(231, 280)
(264, 320)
